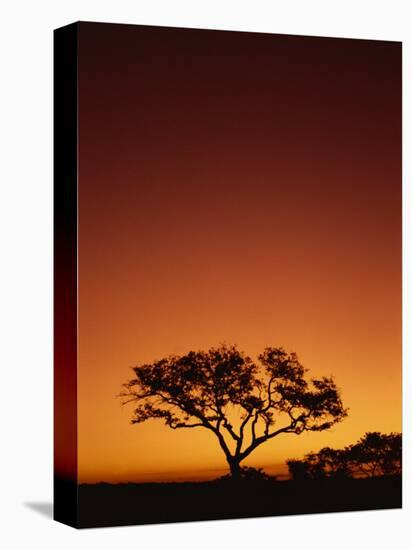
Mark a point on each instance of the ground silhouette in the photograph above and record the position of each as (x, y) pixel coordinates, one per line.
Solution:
(126, 504)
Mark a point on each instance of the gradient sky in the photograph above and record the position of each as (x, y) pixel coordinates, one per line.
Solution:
(238, 188)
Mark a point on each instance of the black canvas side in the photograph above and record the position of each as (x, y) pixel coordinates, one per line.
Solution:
(65, 274)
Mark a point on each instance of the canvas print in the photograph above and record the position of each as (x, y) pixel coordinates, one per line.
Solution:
(227, 274)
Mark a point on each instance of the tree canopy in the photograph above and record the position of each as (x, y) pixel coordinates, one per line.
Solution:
(244, 403)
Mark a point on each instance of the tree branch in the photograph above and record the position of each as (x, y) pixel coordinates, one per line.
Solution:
(259, 440)
(182, 425)
(229, 428)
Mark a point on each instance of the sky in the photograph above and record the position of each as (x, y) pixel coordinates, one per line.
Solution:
(240, 188)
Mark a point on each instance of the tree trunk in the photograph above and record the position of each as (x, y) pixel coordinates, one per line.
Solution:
(235, 469)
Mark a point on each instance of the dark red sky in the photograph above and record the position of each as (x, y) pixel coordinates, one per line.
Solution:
(243, 188)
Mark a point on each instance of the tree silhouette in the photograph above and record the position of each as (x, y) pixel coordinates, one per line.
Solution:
(326, 463)
(374, 455)
(243, 403)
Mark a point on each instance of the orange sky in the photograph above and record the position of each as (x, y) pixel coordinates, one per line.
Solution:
(235, 188)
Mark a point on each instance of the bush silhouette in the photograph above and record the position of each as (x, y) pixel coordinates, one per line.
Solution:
(253, 475)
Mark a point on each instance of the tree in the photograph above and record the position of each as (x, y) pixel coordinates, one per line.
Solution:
(241, 402)
(326, 463)
(374, 455)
